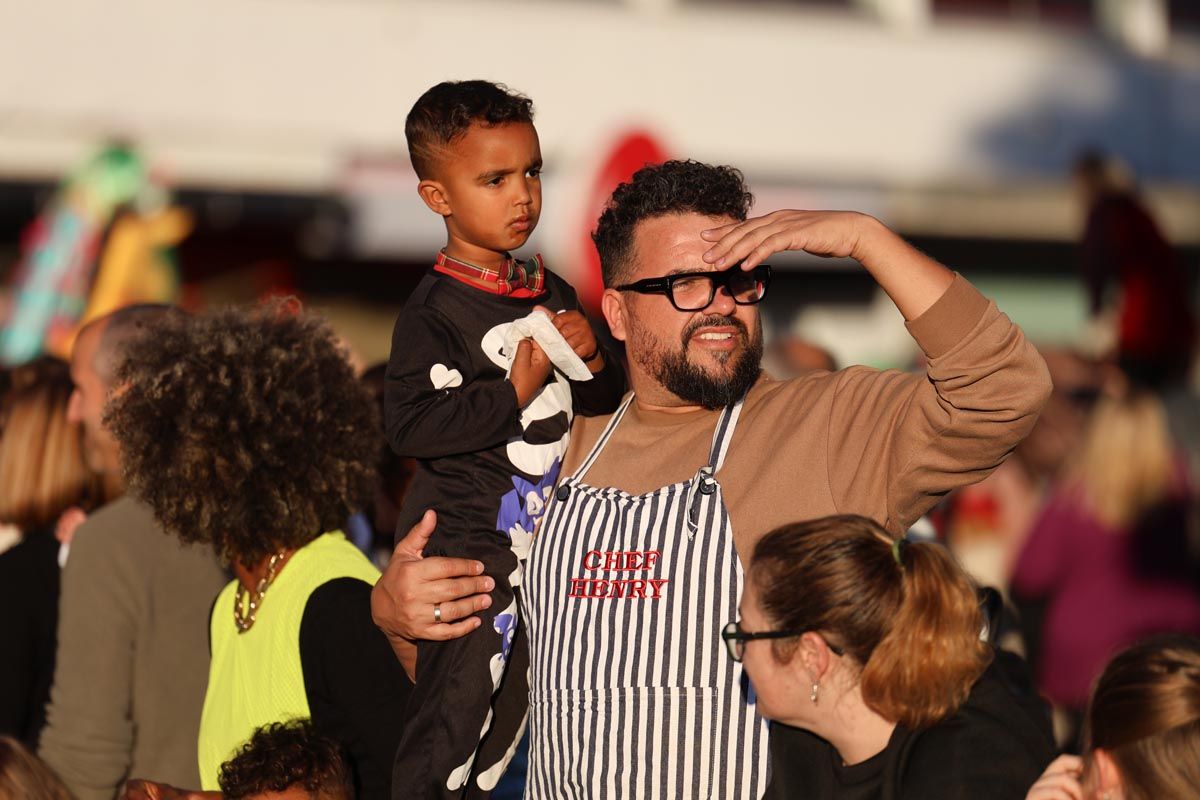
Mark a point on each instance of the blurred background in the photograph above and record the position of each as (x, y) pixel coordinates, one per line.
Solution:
(278, 126)
(212, 151)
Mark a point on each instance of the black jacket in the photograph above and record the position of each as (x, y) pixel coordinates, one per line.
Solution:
(993, 748)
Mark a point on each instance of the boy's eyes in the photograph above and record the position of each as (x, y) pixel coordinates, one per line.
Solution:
(535, 172)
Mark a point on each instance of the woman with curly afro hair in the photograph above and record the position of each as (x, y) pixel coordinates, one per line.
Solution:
(248, 430)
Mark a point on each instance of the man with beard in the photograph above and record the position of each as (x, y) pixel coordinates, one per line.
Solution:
(636, 567)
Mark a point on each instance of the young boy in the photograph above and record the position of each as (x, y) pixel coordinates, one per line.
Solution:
(486, 416)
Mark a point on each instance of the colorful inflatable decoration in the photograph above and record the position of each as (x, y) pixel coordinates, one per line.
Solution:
(102, 242)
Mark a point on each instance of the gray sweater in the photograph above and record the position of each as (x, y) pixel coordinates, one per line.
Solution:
(132, 662)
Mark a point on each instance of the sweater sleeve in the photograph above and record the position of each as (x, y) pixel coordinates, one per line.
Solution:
(434, 404)
(356, 689)
(88, 738)
(918, 437)
(603, 393)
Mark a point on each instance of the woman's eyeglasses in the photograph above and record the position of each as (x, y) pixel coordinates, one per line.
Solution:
(693, 291)
(736, 638)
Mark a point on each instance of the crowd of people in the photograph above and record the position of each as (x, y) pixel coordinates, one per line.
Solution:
(648, 570)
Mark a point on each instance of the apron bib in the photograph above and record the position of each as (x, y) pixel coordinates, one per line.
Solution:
(632, 692)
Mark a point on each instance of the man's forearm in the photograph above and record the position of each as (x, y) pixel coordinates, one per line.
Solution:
(912, 279)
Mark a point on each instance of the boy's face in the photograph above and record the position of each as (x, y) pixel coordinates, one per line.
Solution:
(488, 188)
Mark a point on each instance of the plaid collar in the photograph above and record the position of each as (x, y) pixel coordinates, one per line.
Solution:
(514, 278)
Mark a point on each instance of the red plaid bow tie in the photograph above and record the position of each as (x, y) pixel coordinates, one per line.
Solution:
(514, 278)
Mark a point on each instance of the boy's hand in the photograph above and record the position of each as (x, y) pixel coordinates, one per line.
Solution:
(530, 368)
(575, 329)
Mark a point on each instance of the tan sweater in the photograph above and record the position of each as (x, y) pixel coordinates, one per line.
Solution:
(132, 655)
(884, 444)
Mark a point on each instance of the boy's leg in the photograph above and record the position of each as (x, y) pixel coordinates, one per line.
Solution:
(450, 709)
(511, 709)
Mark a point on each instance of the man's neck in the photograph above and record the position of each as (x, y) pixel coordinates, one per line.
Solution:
(651, 396)
(677, 407)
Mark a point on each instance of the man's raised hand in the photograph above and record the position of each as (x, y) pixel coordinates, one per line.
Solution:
(833, 234)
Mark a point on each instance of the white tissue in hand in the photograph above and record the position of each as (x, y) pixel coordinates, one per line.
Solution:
(539, 327)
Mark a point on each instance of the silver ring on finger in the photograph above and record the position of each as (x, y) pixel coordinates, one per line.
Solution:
(437, 612)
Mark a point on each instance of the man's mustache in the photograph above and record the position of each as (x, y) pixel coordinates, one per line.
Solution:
(715, 321)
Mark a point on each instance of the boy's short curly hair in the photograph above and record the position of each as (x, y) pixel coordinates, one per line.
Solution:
(673, 187)
(244, 428)
(446, 111)
(282, 755)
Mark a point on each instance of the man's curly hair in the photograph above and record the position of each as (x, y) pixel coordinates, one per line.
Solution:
(673, 187)
(244, 428)
(282, 755)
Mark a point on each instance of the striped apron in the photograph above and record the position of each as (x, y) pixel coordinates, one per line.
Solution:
(632, 693)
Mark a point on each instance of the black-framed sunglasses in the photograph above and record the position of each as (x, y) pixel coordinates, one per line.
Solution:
(692, 291)
(736, 638)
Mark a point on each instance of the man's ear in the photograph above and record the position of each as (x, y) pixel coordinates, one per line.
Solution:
(434, 195)
(613, 306)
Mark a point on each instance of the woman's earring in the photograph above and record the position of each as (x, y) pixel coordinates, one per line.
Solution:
(813, 696)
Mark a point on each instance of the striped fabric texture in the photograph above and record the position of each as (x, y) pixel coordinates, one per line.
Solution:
(632, 692)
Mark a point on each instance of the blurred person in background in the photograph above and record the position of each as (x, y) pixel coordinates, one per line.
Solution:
(132, 639)
(1142, 730)
(23, 776)
(42, 475)
(790, 356)
(1123, 248)
(987, 523)
(1109, 553)
(869, 648)
(376, 524)
(248, 431)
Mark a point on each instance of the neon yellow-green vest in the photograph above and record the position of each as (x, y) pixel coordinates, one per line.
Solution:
(255, 677)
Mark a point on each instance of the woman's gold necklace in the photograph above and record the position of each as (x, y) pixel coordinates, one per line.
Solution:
(245, 619)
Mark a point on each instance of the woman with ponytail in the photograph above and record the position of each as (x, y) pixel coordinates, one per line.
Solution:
(875, 672)
(1141, 732)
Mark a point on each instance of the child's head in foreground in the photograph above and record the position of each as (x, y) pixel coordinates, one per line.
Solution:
(1142, 729)
(287, 761)
(477, 156)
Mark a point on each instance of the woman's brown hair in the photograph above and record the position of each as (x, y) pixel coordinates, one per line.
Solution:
(259, 414)
(24, 777)
(905, 612)
(42, 468)
(1145, 713)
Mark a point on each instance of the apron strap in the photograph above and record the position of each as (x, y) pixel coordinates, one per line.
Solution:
(723, 435)
(603, 440)
(720, 441)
